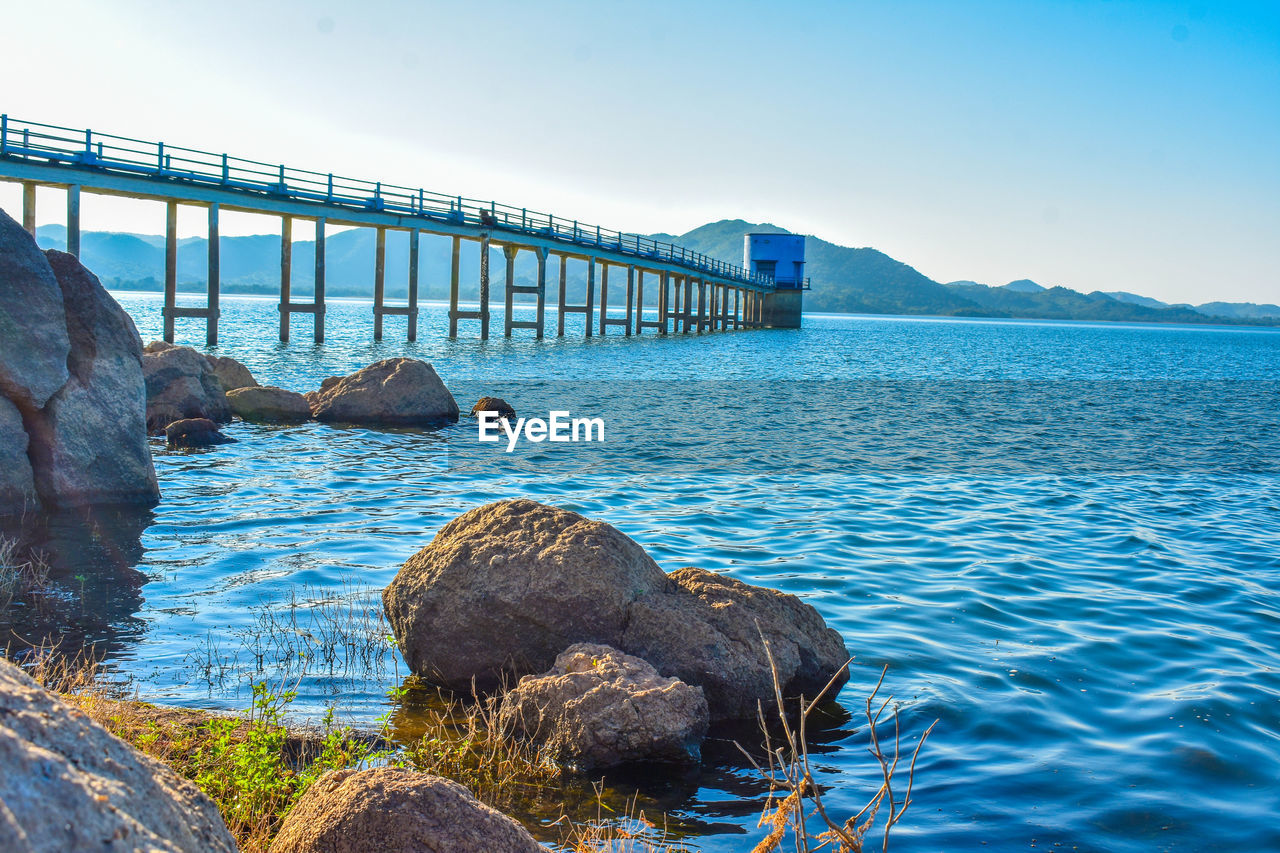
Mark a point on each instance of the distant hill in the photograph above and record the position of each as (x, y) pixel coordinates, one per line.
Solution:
(845, 280)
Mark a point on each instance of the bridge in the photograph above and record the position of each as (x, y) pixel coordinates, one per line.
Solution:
(694, 293)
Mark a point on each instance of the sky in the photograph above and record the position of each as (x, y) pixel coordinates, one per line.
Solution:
(1095, 144)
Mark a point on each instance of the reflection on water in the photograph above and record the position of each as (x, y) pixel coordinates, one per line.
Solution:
(1077, 577)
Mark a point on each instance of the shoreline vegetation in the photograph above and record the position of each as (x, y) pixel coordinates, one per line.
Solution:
(256, 765)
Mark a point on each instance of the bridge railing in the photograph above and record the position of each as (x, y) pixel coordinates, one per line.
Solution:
(110, 153)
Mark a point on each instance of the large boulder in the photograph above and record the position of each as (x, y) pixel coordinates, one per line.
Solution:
(70, 383)
(230, 373)
(709, 632)
(181, 384)
(392, 392)
(67, 784)
(394, 809)
(598, 707)
(194, 432)
(269, 404)
(504, 588)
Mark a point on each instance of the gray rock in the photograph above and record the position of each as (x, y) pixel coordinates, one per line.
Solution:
(17, 483)
(501, 589)
(231, 373)
(394, 809)
(392, 392)
(181, 384)
(95, 449)
(598, 707)
(67, 784)
(33, 322)
(505, 588)
(194, 432)
(269, 404)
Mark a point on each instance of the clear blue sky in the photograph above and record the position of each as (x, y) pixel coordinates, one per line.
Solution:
(1098, 145)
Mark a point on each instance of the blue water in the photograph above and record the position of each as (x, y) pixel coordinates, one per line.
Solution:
(1063, 539)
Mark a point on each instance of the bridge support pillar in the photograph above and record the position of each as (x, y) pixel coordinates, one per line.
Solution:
(541, 314)
(29, 207)
(170, 268)
(591, 294)
(664, 287)
(702, 305)
(215, 274)
(319, 298)
(453, 288)
(561, 307)
(411, 331)
(686, 315)
(604, 296)
(73, 220)
(484, 286)
(737, 307)
(286, 274)
(509, 252)
(639, 276)
(631, 287)
(379, 280)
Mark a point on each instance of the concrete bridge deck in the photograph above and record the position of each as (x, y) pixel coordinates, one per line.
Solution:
(695, 293)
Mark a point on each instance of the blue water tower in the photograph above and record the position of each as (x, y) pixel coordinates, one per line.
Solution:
(778, 256)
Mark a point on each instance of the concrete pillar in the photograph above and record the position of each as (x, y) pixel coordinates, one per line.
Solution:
(560, 311)
(379, 280)
(29, 208)
(664, 287)
(215, 275)
(604, 296)
(453, 288)
(73, 220)
(319, 300)
(688, 303)
(542, 291)
(286, 275)
(509, 252)
(170, 268)
(702, 305)
(631, 286)
(591, 293)
(412, 319)
(484, 286)
(639, 276)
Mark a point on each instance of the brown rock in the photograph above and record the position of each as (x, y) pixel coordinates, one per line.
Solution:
(508, 586)
(269, 404)
(393, 809)
(598, 707)
(392, 392)
(181, 384)
(157, 346)
(708, 632)
(194, 432)
(231, 374)
(67, 784)
(494, 404)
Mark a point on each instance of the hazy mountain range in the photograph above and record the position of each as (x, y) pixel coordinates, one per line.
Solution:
(845, 280)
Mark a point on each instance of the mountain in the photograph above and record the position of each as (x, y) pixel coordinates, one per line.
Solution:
(845, 280)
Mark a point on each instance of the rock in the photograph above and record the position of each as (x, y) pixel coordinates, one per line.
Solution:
(269, 404)
(494, 404)
(503, 588)
(707, 632)
(506, 587)
(231, 374)
(598, 707)
(95, 450)
(194, 432)
(67, 784)
(17, 482)
(394, 809)
(158, 346)
(71, 389)
(33, 321)
(181, 384)
(393, 392)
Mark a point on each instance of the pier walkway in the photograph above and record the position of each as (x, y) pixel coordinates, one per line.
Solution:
(695, 293)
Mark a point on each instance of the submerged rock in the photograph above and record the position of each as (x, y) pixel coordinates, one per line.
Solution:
(67, 784)
(598, 707)
(194, 432)
(394, 809)
(392, 392)
(269, 404)
(71, 390)
(181, 384)
(497, 405)
(230, 373)
(503, 588)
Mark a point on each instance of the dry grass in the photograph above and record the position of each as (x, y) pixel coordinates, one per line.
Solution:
(20, 573)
